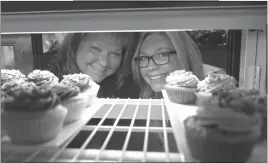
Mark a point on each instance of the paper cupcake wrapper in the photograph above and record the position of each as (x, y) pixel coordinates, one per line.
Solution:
(33, 127)
(92, 93)
(75, 107)
(181, 95)
(214, 149)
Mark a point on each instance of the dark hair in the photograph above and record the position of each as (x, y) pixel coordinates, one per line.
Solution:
(64, 61)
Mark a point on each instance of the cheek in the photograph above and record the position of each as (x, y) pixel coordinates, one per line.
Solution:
(86, 57)
(173, 65)
(82, 60)
(144, 72)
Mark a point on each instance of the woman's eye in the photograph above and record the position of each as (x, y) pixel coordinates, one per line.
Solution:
(164, 54)
(95, 48)
(141, 58)
(116, 54)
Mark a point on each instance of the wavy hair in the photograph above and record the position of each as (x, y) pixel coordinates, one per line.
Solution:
(188, 53)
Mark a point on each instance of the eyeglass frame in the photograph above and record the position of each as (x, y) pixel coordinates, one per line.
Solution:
(149, 58)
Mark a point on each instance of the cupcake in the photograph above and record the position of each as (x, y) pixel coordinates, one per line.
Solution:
(14, 75)
(85, 83)
(260, 103)
(31, 115)
(225, 129)
(212, 83)
(181, 86)
(43, 78)
(73, 100)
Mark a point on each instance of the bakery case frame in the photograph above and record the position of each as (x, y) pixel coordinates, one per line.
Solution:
(247, 59)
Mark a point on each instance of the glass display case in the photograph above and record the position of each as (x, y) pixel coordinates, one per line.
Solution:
(230, 35)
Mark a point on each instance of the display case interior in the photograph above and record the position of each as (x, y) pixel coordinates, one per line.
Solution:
(125, 126)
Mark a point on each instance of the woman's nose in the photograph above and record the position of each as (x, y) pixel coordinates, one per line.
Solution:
(152, 65)
(103, 59)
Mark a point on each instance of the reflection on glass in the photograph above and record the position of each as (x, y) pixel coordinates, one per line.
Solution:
(52, 40)
(7, 57)
(214, 49)
(212, 44)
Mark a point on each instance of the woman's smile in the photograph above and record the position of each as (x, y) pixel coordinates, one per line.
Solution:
(158, 77)
(97, 68)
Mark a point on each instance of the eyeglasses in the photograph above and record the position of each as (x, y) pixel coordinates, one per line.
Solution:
(158, 59)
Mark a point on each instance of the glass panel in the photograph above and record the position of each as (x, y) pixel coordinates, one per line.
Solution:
(7, 57)
(214, 48)
(16, 52)
(52, 41)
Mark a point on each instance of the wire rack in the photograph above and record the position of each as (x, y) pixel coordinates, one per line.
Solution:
(119, 130)
(123, 130)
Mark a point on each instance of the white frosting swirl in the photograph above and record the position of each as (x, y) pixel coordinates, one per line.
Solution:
(14, 75)
(43, 78)
(215, 82)
(182, 78)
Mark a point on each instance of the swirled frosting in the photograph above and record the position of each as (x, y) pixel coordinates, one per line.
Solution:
(28, 98)
(14, 75)
(43, 78)
(182, 78)
(65, 92)
(229, 111)
(215, 82)
(82, 81)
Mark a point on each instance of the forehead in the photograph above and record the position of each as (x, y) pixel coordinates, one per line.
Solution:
(155, 42)
(105, 39)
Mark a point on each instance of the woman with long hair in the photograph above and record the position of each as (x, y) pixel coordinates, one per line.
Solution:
(158, 54)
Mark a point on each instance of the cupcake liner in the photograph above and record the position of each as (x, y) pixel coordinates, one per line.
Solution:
(75, 106)
(92, 93)
(181, 95)
(33, 127)
(202, 96)
(212, 149)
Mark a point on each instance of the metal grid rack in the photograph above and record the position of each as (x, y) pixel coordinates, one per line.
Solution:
(120, 122)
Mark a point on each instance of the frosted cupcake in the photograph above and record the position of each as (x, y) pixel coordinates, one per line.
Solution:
(43, 78)
(73, 100)
(181, 86)
(14, 75)
(31, 115)
(225, 129)
(259, 102)
(212, 83)
(85, 83)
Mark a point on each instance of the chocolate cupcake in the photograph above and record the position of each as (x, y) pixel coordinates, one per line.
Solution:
(259, 102)
(213, 83)
(31, 114)
(181, 86)
(85, 83)
(43, 78)
(225, 129)
(73, 100)
(11, 75)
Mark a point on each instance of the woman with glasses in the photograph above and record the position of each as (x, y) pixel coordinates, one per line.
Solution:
(158, 54)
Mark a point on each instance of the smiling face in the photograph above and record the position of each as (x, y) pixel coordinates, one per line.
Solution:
(154, 74)
(99, 55)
